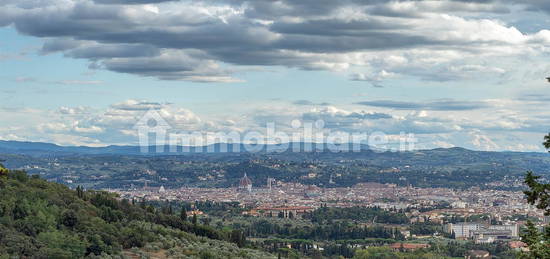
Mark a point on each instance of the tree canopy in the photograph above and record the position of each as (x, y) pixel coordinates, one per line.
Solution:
(40, 219)
(538, 194)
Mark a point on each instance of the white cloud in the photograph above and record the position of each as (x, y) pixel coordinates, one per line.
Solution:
(210, 41)
(483, 142)
(74, 110)
(88, 130)
(507, 128)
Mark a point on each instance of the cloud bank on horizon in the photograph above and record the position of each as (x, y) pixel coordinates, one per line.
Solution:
(375, 42)
(438, 126)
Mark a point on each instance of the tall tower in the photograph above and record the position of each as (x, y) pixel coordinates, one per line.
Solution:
(270, 182)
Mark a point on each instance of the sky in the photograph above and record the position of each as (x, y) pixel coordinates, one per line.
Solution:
(466, 73)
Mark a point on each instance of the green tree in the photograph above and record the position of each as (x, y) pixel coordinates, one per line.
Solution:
(538, 194)
(375, 252)
(69, 218)
(183, 214)
(96, 245)
(80, 192)
(238, 237)
(3, 170)
(194, 220)
(40, 219)
(61, 241)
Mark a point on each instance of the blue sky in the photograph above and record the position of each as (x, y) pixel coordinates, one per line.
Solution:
(454, 73)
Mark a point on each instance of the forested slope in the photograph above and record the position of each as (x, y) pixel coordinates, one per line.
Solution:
(39, 219)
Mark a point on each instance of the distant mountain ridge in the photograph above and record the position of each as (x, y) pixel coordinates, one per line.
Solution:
(41, 148)
(48, 149)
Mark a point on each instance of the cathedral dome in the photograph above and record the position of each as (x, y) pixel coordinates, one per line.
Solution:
(245, 181)
(245, 184)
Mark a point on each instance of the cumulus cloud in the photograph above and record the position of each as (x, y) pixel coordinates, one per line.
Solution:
(130, 1)
(374, 79)
(74, 110)
(501, 129)
(208, 41)
(171, 66)
(356, 120)
(100, 51)
(338, 118)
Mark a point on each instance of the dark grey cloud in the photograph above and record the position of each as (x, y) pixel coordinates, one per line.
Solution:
(301, 34)
(474, 6)
(368, 41)
(137, 66)
(336, 36)
(535, 5)
(384, 10)
(85, 21)
(113, 51)
(438, 105)
(169, 66)
(56, 45)
(531, 5)
(334, 27)
(132, 1)
(269, 9)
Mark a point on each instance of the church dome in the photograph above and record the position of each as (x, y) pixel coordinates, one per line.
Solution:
(245, 181)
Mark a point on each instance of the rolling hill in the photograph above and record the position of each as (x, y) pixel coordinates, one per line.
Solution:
(40, 219)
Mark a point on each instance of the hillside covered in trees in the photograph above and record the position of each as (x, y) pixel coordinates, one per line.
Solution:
(39, 219)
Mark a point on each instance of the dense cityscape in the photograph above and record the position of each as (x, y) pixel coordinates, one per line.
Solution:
(435, 205)
(439, 203)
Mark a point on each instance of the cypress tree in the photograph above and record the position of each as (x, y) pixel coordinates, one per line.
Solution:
(183, 214)
(194, 220)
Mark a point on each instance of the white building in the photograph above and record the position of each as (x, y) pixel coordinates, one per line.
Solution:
(462, 230)
(471, 229)
(458, 205)
(514, 229)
